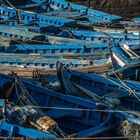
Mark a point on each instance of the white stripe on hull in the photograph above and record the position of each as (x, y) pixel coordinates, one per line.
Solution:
(120, 62)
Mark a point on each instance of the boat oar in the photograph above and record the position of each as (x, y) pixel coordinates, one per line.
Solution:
(106, 99)
(88, 92)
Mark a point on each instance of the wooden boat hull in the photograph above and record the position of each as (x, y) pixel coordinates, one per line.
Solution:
(25, 72)
(9, 130)
(97, 84)
(125, 62)
(57, 106)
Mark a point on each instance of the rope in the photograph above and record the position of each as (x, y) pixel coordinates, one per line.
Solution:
(26, 98)
(68, 32)
(131, 52)
(114, 82)
(124, 85)
(128, 88)
(79, 109)
(19, 16)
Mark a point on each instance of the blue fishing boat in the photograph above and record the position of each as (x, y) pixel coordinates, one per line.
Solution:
(32, 5)
(126, 62)
(90, 35)
(85, 123)
(8, 130)
(26, 117)
(82, 9)
(43, 20)
(69, 48)
(14, 32)
(17, 60)
(62, 4)
(41, 32)
(81, 112)
(93, 86)
(97, 51)
(10, 17)
(116, 94)
(95, 36)
(53, 49)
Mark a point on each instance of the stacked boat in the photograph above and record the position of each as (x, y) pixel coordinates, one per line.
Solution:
(68, 72)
